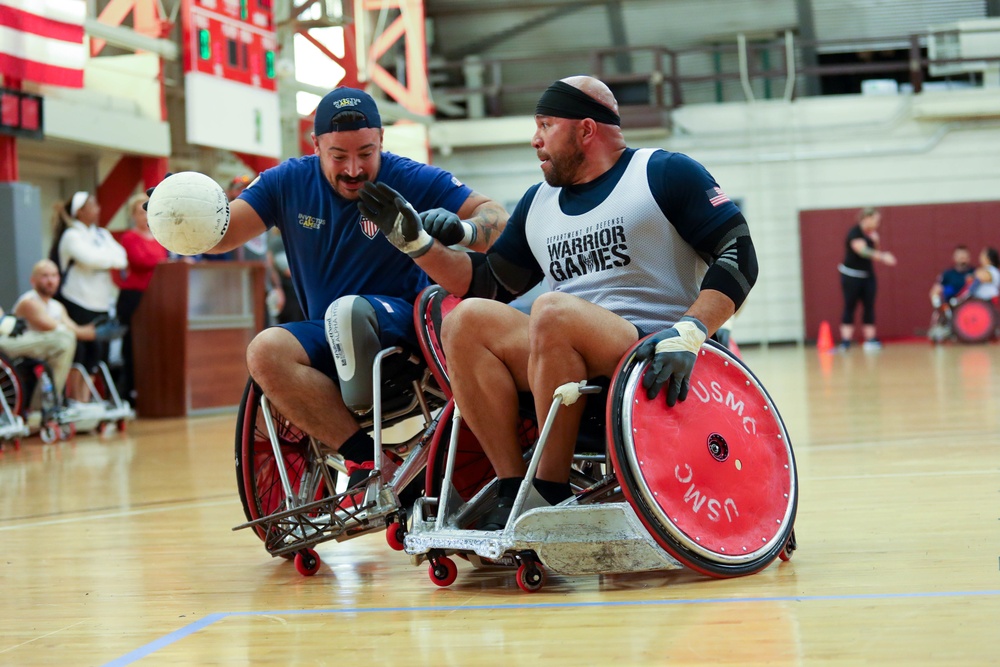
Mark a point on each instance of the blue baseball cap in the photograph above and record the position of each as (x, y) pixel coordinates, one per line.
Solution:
(346, 99)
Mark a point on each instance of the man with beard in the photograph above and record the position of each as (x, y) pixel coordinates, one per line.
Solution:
(351, 283)
(630, 242)
(50, 335)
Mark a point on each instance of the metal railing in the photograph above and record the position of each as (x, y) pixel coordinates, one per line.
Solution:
(656, 79)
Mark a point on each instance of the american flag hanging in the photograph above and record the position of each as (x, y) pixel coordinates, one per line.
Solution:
(716, 197)
(42, 41)
(368, 227)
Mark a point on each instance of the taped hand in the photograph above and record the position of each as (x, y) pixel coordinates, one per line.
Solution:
(399, 222)
(448, 228)
(672, 353)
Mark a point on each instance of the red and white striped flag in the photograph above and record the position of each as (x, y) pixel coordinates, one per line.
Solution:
(42, 41)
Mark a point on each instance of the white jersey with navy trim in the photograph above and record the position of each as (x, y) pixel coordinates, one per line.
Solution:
(623, 254)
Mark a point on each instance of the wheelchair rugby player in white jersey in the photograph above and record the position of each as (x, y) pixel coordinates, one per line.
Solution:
(645, 257)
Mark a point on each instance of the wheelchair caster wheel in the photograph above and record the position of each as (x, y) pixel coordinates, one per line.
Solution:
(49, 433)
(121, 425)
(307, 562)
(530, 577)
(790, 546)
(394, 535)
(443, 571)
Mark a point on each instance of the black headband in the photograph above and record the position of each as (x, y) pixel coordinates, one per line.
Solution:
(562, 100)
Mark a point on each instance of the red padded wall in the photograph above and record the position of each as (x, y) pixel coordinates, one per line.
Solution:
(922, 237)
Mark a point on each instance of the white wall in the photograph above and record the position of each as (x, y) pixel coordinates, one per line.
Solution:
(780, 158)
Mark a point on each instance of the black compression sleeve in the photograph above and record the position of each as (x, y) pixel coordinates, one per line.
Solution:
(495, 278)
(733, 269)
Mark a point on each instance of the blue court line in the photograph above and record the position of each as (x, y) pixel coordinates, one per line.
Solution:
(192, 628)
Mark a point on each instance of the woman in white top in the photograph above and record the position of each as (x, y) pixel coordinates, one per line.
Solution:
(986, 285)
(85, 252)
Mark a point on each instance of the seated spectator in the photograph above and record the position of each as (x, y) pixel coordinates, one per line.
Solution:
(84, 252)
(144, 253)
(49, 333)
(953, 280)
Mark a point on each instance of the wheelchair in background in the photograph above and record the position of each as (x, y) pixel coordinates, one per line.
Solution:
(967, 321)
(12, 426)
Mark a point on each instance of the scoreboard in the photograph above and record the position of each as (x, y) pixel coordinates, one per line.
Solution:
(229, 71)
(232, 39)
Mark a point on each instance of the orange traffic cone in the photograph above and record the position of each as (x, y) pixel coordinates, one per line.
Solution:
(824, 342)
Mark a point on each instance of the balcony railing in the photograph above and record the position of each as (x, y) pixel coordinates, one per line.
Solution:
(649, 81)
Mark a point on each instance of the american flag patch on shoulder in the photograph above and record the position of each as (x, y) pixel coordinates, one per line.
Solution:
(716, 196)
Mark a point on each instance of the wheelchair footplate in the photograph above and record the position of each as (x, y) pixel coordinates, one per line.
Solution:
(369, 506)
(338, 517)
(567, 539)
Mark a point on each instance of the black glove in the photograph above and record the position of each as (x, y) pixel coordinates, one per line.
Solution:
(149, 191)
(398, 221)
(448, 228)
(672, 353)
(11, 326)
(109, 330)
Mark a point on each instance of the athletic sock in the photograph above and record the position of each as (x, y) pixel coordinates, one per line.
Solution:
(553, 492)
(358, 448)
(508, 487)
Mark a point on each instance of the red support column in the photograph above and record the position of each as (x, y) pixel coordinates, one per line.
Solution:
(118, 186)
(257, 162)
(154, 170)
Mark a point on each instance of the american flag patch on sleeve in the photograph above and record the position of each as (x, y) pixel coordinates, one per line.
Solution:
(716, 196)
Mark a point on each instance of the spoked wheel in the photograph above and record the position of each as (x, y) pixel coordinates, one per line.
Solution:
(10, 385)
(257, 475)
(307, 562)
(712, 479)
(530, 575)
(442, 571)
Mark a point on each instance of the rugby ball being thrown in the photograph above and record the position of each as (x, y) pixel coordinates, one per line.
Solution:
(188, 213)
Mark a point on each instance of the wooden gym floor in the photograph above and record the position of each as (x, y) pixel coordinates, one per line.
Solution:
(118, 551)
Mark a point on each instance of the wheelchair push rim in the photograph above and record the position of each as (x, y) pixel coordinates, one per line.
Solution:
(433, 304)
(713, 479)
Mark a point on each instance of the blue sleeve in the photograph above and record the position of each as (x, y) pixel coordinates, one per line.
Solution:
(689, 196)
(426, 186)
(264, 195)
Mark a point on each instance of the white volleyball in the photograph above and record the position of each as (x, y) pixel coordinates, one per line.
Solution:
(188, 213)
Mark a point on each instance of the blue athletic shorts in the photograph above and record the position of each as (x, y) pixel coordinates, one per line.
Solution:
(395, 325)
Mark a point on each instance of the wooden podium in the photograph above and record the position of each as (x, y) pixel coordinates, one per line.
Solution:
(190, 335)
